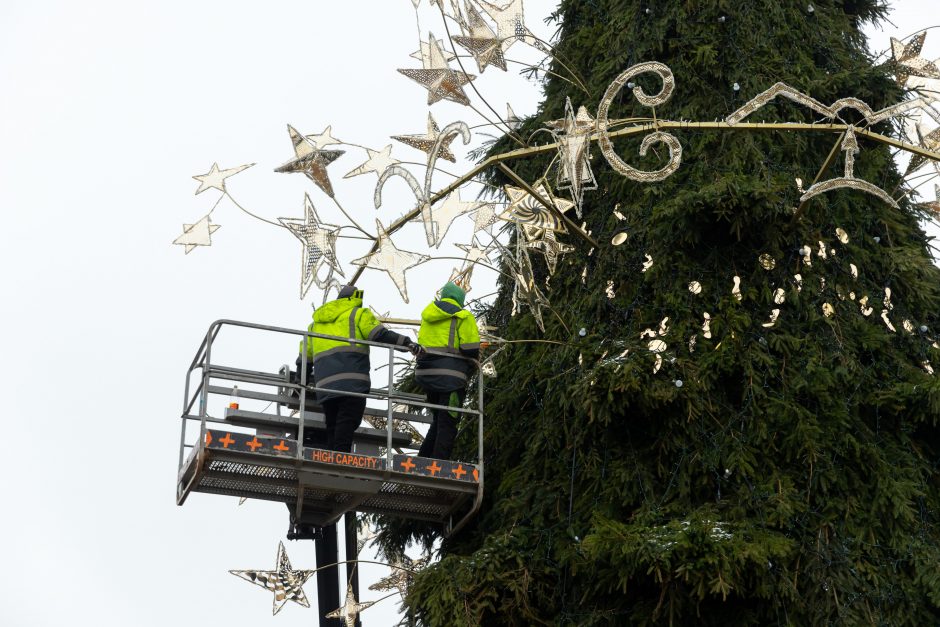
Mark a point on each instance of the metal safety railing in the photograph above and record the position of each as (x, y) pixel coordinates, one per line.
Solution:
(202, 362)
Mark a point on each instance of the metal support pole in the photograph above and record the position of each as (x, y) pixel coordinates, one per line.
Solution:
(302, 377)
(352, 554)
(388, 420)
(327, 578)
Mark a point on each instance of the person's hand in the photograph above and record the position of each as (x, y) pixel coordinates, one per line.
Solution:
(415, 349)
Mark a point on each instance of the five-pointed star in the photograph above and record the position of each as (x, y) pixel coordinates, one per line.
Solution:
(377, 162)
(215, 178)
(907, 61)
(199, 234)
(481, 41)
(935, 205)
(423, 54)
(438, 219)
(484, 218)
(403, 570)
(930, 141)
(310, 160)
(512, 120)
(474, 253)
(426, 142)
(549, 246)
(526, 291)
(510, 22)
(324, 139)
(391, 260)
(529, 213)
(438, 78)
(573, 134)
(284, 582)
(350, 609)
(319, 249)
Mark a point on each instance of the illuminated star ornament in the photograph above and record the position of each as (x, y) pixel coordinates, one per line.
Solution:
(319, 249)
(377, 162)
(350, 609)
(324, 139)
(549, 246)
(392, 260)
(931, 142)
(481, 42)
(198, 234)
(907, 61)
(573, 136)
(510, 22)
(933, 207)
(286, 583)
(310, 160)
(215, 178)
(425, 143)
(438, 78)
(403, 571)
(526, 211)
(442, 216)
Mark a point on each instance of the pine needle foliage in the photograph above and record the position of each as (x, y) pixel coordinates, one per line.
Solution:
(791, 479)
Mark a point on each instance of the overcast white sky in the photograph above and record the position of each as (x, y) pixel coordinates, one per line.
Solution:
(107, 109)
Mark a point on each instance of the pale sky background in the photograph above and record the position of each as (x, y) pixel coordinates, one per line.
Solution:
(107, 109)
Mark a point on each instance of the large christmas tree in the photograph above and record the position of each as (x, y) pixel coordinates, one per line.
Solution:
(689, 452)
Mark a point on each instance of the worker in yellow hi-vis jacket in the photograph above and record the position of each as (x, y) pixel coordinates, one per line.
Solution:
(447, 331)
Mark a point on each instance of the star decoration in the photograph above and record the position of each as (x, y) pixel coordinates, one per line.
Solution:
(284, 582)
(526, 291)
(513, 121)
(481, 41)
(438, 219)
(392, 260)
(350, 609)
(935, 205)
(198, 234)
(484, 218)
(377, 162)
(426, 142)
(310, 160)
(510, 23)
(530, 214)
(930, 141)
(319, 249)
(549, 246)
(907, 61)
(324, 139)
(573, 135)
(423, 54)
(215, 178)
(403, 571)
(438, 78)
(474, 253)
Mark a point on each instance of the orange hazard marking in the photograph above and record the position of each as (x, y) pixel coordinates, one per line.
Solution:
(281, 447)
(407, 464)
(434, 468)
(459, 471)
(254, 444)
(476, 475)
(208, 438)
(227, 440)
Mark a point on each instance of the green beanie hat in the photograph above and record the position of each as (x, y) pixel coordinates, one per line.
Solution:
(453, 292)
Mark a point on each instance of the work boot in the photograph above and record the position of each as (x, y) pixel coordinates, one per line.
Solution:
(304, 532)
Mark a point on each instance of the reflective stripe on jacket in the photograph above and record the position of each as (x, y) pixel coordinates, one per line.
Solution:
(340, 365)
(446, 328)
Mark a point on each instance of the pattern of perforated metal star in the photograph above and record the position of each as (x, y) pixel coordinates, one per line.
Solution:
(390, 259)
(319, 247)
(310, 160)
(480, 41)
(573, 136)
(549, 246)
(526, 211)
(403, 571)
(350, 609)
(442, 82)
(907, 62)
(425, 143)
(286, 583)
(510, 21)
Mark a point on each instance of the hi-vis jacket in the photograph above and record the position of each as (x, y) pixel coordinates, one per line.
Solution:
(446, 328)
(339, 365)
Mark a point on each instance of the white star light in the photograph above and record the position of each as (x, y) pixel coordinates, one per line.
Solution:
(378, 162)
(324, 139)
(215, 178)
(391, 260)
(442, 216)
(350, 609)
(319, 249)
(198, 234)
(284, 582)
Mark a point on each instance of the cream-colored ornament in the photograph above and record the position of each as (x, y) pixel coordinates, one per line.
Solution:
(647, 333)
(767, 262)
(851, 295)
(928, 367)
(774, 313)
(822, 284)
(707, 326)
(828, 310)
(664, 326)
(736, 290)
(692, 341)
(908, 326)
(821, 252)
(807, 253)
(285, 582)
(658, 364)
(657, 346)
(887, 299)
(863, 306)
(648, 263)
(695, 287)
(799, 282)
(780, 296)
(842, 235)
(884, 318)
(611, 294)
(854, 270)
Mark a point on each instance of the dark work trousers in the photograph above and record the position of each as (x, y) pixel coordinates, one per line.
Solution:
(343, 416)
(439, 442)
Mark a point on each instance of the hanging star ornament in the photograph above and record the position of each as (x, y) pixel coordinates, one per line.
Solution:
(573, 135)
(310, 160)
(425, 143)
(931, 142)
(319, 240)
(403, 571)
(549, 246)
(443, 214)
(484, 218)
(198, 234)
(907, 62)
(350, 610)
(423, 54)
(442, 82)
(324, 139)
(286, 583)
(388, 258)
(215, 178)
(378, 162)
(526, 211)
(934, 206)
(510, 21)
(481, 42)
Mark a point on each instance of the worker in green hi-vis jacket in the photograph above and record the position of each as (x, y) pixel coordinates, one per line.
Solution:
(448, 332)
(340, 366)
